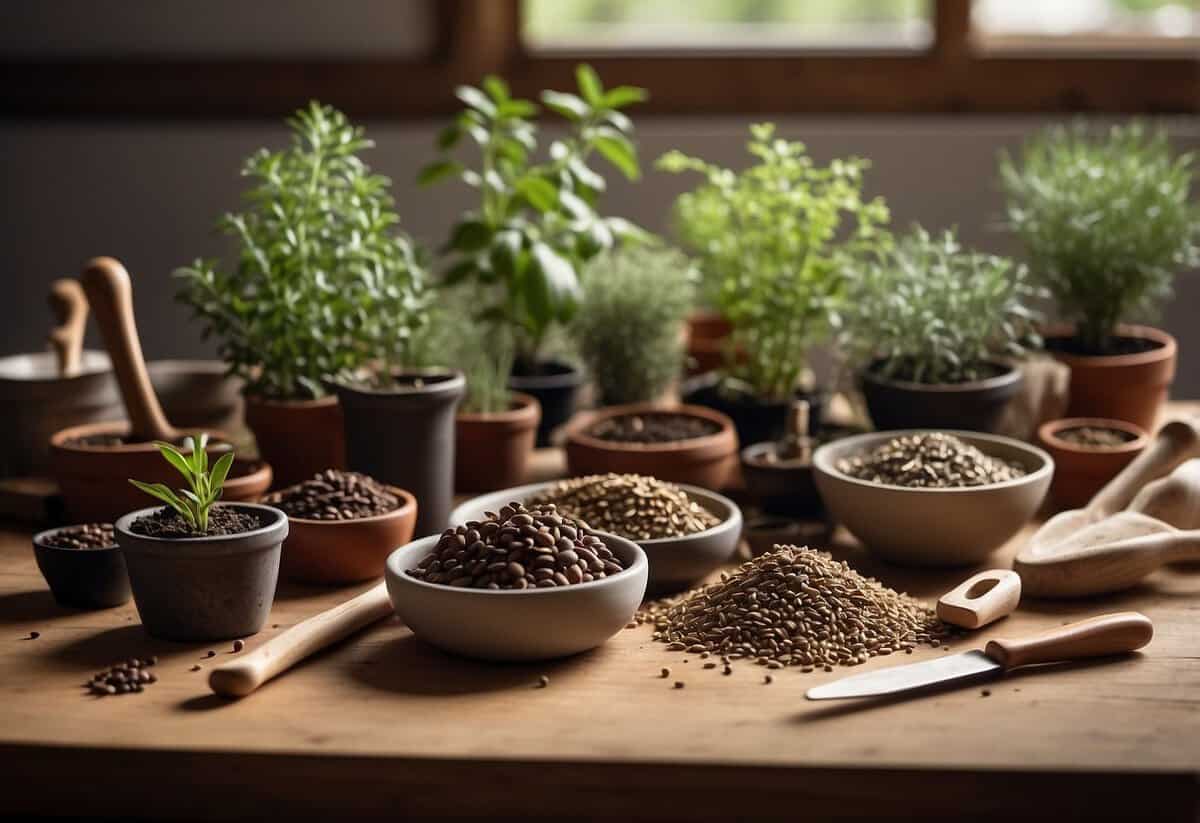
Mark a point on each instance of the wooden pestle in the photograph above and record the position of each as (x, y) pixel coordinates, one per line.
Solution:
(70, 308)
(110, 294)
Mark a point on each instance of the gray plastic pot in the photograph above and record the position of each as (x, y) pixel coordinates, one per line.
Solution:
(404, 436)
(205, 588)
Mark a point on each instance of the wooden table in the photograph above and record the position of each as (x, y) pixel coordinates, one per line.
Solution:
(383, 725)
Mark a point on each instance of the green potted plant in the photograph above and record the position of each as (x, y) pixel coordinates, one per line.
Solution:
(1107, 221)
(200, 569)
(932, 329)
(777, 239)
(323, 283)
(537, 220)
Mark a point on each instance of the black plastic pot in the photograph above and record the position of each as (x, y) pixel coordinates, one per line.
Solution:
(977, 405)
(404, 436)
(785, 488)
(756, 421)
(205, 588)
(555, 385)
(82, 578)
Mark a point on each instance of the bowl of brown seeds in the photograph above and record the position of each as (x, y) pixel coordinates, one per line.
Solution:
(686, 531)
(932, 498)
(519, 583)
(83, 566)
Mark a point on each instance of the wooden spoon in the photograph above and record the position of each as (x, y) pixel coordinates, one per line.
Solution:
(110, 294)
(1174, 499)
(70, 308)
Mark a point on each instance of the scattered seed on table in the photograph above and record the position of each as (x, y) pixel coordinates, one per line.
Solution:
(196, 668)
(126, 677)
(238, 645)
(211, 653)
(34, 635)
(767, 679)
(986, 693)
(679, 684)
(728, 669)
(665, 673)
(632, 625)
(710, 665)
(543, 682)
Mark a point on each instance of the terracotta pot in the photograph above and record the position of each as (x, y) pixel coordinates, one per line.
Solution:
(82, 578)
(95, 479)
(707, 334)
(297, 437)
(338, 552)
(754, 420)
(977, 405)
(1079, 470)
(491, 450)
(555, 385)
(1129, 387)
(700, 461)
(204, 588)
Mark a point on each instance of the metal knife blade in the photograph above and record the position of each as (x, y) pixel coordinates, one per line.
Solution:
(961, 666)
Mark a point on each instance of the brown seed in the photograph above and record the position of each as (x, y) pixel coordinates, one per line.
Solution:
(239, 644)
(679, 684)
(543, 681)
(665, 673)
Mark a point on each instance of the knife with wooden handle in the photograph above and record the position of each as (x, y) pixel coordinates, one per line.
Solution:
(1106, 634)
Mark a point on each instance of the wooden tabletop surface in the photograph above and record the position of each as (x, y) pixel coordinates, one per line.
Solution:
(384, 725)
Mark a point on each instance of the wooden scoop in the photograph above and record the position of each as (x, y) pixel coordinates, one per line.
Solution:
(110, 294)
(1174, 499)
(1176, 442)
(70, 308)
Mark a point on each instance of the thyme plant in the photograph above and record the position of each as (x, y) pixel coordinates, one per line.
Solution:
(1108, 221)
(204, 485)
(323, 282)
(776, 240)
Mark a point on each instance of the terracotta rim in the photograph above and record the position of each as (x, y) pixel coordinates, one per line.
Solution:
(577, 430)
(271, 403)
(408, 505)
(1165, 351)
(525, 413)
(1012, 375)
(1048, 433)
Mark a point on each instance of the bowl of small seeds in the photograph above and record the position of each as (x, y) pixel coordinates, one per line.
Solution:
(519, 583)
(83, 566)
(342, 527)
(686, 531)
(932, 498)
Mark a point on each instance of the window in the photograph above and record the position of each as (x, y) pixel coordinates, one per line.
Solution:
(1150, 26)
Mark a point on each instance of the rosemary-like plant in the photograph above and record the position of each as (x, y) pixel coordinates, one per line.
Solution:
(204, 486)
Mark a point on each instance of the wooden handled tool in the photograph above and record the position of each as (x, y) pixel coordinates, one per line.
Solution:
(110, 294)
(70, 308)
(981, 599)
(242, 676)
(1174, 499)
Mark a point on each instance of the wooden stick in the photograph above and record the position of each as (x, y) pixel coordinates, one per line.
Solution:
(70, 308)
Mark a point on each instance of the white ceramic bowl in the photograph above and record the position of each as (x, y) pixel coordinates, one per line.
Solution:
(675, 562)
(517, 624)
(933, 527)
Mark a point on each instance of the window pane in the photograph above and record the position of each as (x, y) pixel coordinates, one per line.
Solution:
(727, 24)
(1088, 24)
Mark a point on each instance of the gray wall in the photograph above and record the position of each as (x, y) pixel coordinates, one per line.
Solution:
(148, 193)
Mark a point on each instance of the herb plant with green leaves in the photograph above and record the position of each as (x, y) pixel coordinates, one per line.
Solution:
(324, 282)
(776, 241)
(204, 485)
(628, 329)
(1107, 221)
(537, 220)
(930, 311)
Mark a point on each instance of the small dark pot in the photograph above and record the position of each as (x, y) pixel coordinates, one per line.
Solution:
(978, 405)
(755, 421)
(555, 385)
(404, 436)
(82, 578)
(205, 588)
(784, 488)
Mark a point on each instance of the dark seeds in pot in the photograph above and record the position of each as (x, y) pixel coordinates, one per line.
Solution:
(518, 548)
(932, 460)
(1096, 437)
(222, 520)
(90, 536)
(630, 505)
(336, 495)
(653, 428)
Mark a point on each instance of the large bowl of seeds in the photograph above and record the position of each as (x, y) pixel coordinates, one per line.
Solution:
(686, 531)
(519, 583)
(932, 498)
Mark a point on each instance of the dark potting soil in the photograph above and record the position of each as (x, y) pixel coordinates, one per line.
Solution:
(1096, 436)
(222, 520)
(1116, 345)
(906, 373)
(336, 495)
(89, 536)
(653, 428)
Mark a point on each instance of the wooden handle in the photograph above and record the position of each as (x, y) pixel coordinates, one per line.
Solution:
(110, 294)
(981, 599)
(1104, 568)
(1106, 634)
(277, 655)
(70, 308)
(1175, 442)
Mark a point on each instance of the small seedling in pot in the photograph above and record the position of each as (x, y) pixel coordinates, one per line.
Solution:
(194, 503)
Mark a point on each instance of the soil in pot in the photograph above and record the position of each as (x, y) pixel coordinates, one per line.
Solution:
(83, 566)
(656, 427)
(755, 420)
(167, 524)
(555, 385)
(973, 405)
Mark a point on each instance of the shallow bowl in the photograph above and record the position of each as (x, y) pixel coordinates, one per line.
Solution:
(933, 527)
(82, 578)
(517, 624)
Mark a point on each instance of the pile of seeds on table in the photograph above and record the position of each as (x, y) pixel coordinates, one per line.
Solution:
(126, 677)
(518, 548)
(336, 495)
(795, 607)
(89, 536)
(629, 505)
(659, 427)
(932, 460)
